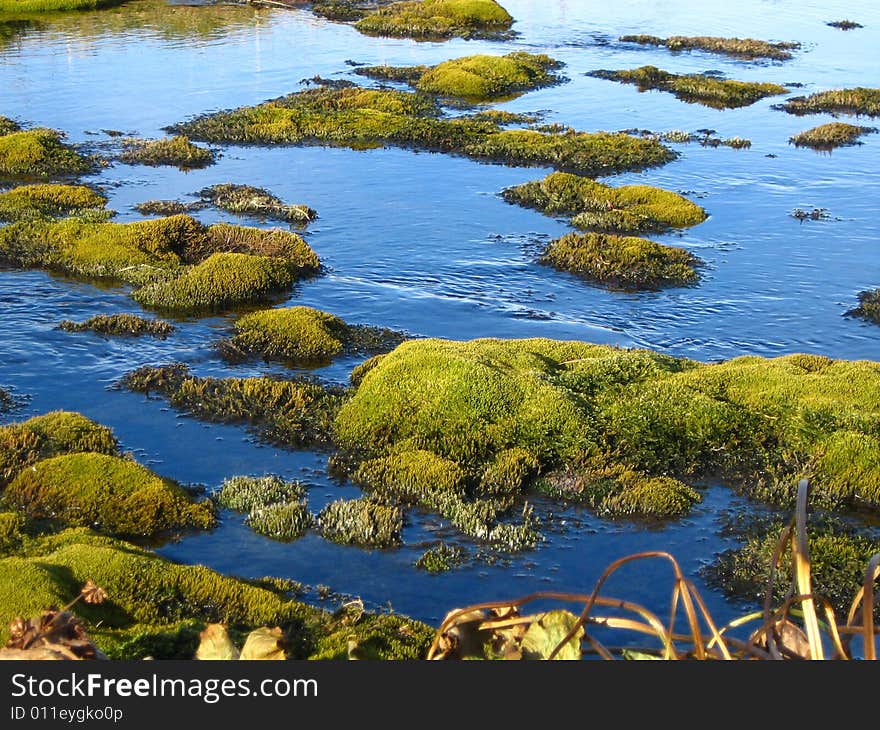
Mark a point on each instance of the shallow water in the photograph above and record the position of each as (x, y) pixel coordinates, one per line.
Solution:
(422, 242)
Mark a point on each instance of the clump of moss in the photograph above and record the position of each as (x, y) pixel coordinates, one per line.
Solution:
(48, 201)
(53, 434)
(127, 325)
(175, 151)
(362, 118)
(622, 262)
(441, 558)
(8, 126)
(826, 137)
(747, 48)
(869, 306)
(245, 494)
(113, 494)
(844, 24)
(594, 206)
(411, 477)
(706, 138)
(7, 402)
(163, 207)
(53, 6)
(695, 88)
(306, 335)
(285, 521)
(39, 153)
(479, 78)
(857, 101)
(248, 200)
(293, 413)
(12, 535)
(344, 11)
(363, 522)
(438, 19)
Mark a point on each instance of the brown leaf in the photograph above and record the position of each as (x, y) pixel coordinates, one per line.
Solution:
(215, 644)
(93, 594)
(265, 644)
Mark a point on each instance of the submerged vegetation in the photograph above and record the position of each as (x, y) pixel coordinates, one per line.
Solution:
(844, 24)
(363, 522)
(747, 48)
(857, 101)
(38, 153)
(437, 20)
(695, 88)
(826, 137)
(126, 325)
(248, 200)
(869, 306)
(622, 262)
(175, 151)
(362, 118)
(594, 206)
(35, 202)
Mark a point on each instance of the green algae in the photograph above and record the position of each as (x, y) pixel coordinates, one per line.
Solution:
(827, 137)
(857, 101)
(746, 48)
(695, 88)
(29, 202)
(363, 522)
(869, 306)
(622, 262)
(363, 118)
(39, 153)
(598, 207)
(175, 151)
(125, 325)
(441, 558)
(437, 20)
(248, 200)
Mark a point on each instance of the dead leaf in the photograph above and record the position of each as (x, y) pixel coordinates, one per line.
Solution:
(545, 634)
(92, 593)
(265, 644)
(215, 644)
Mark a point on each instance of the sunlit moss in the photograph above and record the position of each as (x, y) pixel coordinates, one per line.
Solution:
(175, 151)
(245, 494)
(8, 126)
(162, 207)
(748, 48)
(361, 522)
(126, 325)
(48, 201)
(50, 6)
(12, 526)
(828, 136)
(437, 19)
(856, 101)
(869, 306)
(594, 206)
(284, 521)
(39, 153)
(441, 558)
(695, 88)
(248, 200)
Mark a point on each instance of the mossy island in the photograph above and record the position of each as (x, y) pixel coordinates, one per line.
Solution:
(367, 118)
(695, 88)
(22, 7)
(594, 206)
(859, 101)
(37, 154)
(844, 24)
(477, 79)
(48, 201)
(869, 306)
(175, 151)
(827, 137)
(251, 201)
(275, 508)
(122, 325)
(745, 48)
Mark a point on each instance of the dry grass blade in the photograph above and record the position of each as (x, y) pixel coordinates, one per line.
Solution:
(802, 568)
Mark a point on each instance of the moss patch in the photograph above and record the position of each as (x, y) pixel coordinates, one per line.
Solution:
(51, 6)
(12, 534)
(48, 201)
(622, 262)
(594, 206)
(126, 325)
(163, 207)
(175, 151)
(363, 118)
(845, 24)
(857, 101)
(441, 558)
(275, 508)
(747, 48)
(39, 153)
(362, 522)
(828, 136)
(438, 19)
(869, 306)
(248, 200)
(285, 521)
(695, 88)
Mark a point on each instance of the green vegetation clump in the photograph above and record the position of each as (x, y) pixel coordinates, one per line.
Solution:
(245, 494)
(12, 535)
(53, 434)
(869, 306)
(293, 413)
(598, 207)
(828, 136)
(411, 477)
(622, 262)
(176, 151)
(747, 48)
(29, 202)
(107, 492)
(127, 325)
(7, 126)
(248, 200)
(441, 558)
(857, 101)
(363, 522)
(306, 335)
(695, 88)
(845, 24)
(163, 207)
(437, 19)
(39, 153)
(285, 521)
(363, 118)
(52, 6)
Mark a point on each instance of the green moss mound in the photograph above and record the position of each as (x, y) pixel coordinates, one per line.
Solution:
(844, 24)
(248, 200)
(363, 118)
(48, 201)
(598, 207)
(437, 19)
(622, 262)
(869, 306)
(175, 151)
(39, 153)
(747, 48)
(411, 477)
(15, 7)
(362, 522)
(124, 325)
(12, 535)
(695, 88)
(827, 137)
(284, 522)
(116, 495)
(857, 101)
(53, 434)
(245, 494)
(163, 207)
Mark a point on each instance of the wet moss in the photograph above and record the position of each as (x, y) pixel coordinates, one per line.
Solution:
(363, 118)
(293, 413)
(362, 522)
(857, 101)
(175, 151)
(248, 200)
(828, 136)
(113, 494)
(343, 11)
(305, 335)
(441, 558)
(438, 19)
(285, 521)
(376, 637)
(507, 475)
(53, 434)
(695, 88)
(8, 126)
(39, 153)
(411, 477)
(747, 48)
(162, 207)
(245, 494)
(869, 306)
(29, 202)
(12, 534)
(53, 6)
(126, 325)
(845, 24)
(598, 207)
(622, 262)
